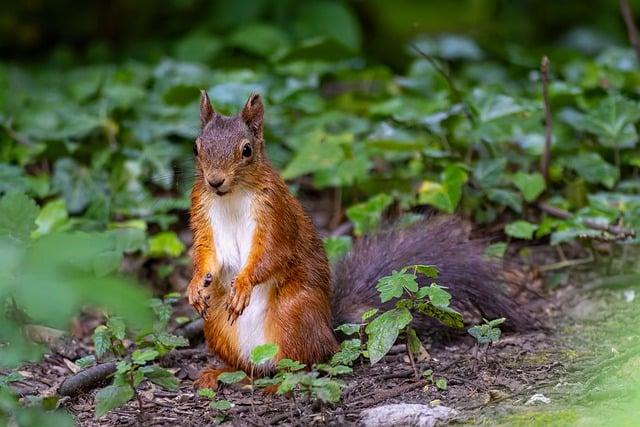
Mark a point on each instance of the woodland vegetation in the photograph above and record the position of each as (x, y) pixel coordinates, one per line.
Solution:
(519, 116)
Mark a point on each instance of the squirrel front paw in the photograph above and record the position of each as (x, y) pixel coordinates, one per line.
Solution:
(198, 294)
(238, 299)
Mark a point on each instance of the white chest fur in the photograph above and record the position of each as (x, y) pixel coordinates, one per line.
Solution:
(233, 226)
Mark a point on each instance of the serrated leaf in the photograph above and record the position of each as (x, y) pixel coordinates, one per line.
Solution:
(369, 314)
(231, 377)
(117, 327)
(430, 271)
(140, 357)
(366, 216)
(383, 332)
(18, 214)
(290, 365)
(101, 340)
(263, 353)
(221, 405)
(349, 352)
(112, 397)
(349, 328)
(161, 377)
(86, 361)
(206, 392)
(393, 286)
(520, 229)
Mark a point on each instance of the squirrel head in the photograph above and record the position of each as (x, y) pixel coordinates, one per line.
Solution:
(229, 149)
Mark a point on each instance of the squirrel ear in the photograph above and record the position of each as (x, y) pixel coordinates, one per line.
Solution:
(253, 113)
(206, 110)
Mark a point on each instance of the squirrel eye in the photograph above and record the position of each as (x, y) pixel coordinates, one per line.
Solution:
(195, 149)
(246, 150)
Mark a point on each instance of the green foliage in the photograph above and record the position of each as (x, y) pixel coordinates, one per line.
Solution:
(432, 300)
(263, 353)
(488, 332)
(133, 366)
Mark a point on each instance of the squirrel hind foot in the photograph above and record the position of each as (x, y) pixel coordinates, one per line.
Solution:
(208, 377)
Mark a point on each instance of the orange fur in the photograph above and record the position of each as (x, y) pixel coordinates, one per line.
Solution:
(286, 249)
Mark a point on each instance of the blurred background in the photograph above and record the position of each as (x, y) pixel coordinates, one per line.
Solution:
(66, 30)
(374, 110)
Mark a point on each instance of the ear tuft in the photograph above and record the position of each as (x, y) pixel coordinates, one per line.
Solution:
(253, 114)
(206, 110)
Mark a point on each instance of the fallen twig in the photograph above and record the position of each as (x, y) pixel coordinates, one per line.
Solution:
(617, 231)
(87, 379)
(548, 121)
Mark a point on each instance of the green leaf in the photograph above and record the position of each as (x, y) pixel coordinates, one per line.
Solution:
(112, 397)
(383, 332)
(366, 216)
(430, 271)
(612, 120)
(441, 383)
(445, 195)
(369, 314)
(140, 357)
(350, 351)
(593, 168)
(530, 185)
(394, 286)
(259, 39)
(438, 296)
(161, 377)
(231, 377)
(337, 247)
(165, 244)
(496, 250)
(117, 327)
(52, 217)
(207, 392)
(101, 340)
(521, 229)
(85, 362)
(221, 405)
(290, 365)
(349, 328)
(263, 353)
(18, 214)
(330, 19)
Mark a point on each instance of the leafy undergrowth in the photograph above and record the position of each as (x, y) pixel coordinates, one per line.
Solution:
(95, 167)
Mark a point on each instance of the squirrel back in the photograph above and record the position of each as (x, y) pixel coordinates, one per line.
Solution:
(260, 270)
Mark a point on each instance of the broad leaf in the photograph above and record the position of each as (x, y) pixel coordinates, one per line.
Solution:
(383, 332)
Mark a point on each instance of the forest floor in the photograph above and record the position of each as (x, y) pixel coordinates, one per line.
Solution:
(483, 384)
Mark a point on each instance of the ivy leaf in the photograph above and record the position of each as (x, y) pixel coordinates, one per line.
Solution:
(112, 397)
(232, 377)
(336, 247)
(366, 216)
(612, 121)
(52, 217)
(393, 286)
(521, 229)
(263, 353)
(530, 185)
(165, 244)
(383, 332)
(18, 214)
(445, 195)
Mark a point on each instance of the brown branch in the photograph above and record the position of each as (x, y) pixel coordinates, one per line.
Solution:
(629, 21)
(548, 121)
(619, 232)
(87, 379)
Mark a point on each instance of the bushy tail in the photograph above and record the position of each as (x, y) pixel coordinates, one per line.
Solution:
(474, 281)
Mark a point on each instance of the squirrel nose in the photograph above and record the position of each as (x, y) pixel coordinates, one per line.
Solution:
(216, 184)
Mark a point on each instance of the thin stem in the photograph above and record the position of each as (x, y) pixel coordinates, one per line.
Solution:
(629, 21)
(548, 121)
(413, 363)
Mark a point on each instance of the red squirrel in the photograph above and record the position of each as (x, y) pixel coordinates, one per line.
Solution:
(261, 274)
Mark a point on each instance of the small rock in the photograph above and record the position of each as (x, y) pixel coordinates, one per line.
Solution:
(538, 398)
(406, 415)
